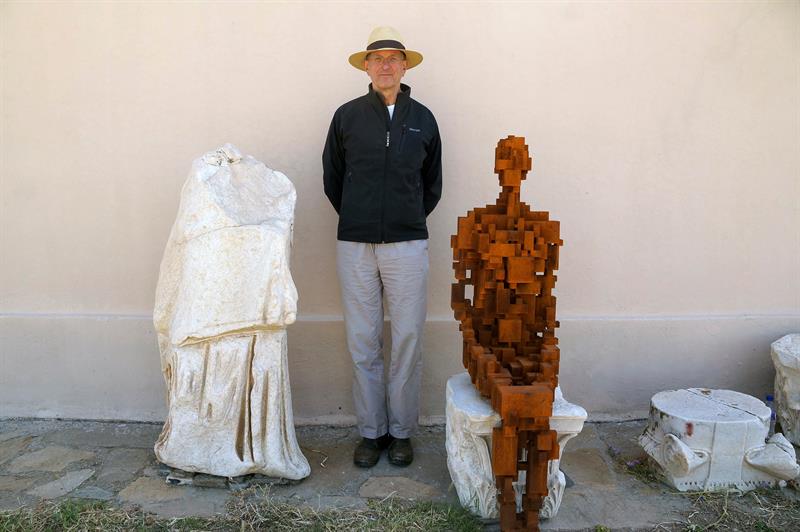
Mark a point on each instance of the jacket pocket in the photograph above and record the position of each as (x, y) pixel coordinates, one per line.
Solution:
(402, 138)
(411, 148)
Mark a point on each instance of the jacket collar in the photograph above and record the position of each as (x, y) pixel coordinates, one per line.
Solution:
(377, 101)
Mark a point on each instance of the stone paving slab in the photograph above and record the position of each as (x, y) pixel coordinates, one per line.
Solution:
(330, 453)
(63, 485)
(156, 496)
(11, 434)
(93, 493)
(92, 435)
(121, 465)
(12, 447)
(125, 472)
(11, 500)
(603, 492)
(13, 483)
(397, 486)
(52, 458)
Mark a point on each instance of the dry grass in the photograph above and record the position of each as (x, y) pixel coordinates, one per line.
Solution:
(255, 511)
(250, 510)
(640, 466)
(763, 510)
(759, 510)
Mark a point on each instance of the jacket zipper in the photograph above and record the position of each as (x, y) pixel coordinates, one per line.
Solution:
(385, 166)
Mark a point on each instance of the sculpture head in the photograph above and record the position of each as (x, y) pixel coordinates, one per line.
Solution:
(512, 162)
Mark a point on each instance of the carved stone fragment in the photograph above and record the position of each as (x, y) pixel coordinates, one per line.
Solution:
(786, 357)
(714, 440)
(224, 298)
(470, 422)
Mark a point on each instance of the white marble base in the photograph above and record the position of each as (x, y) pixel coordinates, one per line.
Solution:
(786, 357)
(713, 440)
(470, 420)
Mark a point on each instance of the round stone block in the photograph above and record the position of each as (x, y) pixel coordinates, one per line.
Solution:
(714, 440)
(711, 406)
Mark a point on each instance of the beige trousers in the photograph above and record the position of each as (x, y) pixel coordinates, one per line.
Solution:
(385, 401)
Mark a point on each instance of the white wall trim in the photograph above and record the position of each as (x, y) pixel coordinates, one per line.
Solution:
(336, 318)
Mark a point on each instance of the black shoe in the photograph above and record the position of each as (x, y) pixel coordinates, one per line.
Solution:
(369, 450)
(400, 452)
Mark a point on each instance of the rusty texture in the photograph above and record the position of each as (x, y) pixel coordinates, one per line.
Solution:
(506, 255)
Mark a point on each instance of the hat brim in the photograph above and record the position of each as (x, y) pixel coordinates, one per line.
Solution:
(413, 58)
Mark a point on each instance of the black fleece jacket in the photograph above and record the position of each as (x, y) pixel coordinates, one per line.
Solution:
(383, 176)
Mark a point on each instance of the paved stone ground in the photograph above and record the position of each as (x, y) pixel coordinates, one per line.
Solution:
(115, 462)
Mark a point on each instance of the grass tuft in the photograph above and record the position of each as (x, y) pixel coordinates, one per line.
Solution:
(250, 510)
(640, 467)
(766, 510)
(256, 511)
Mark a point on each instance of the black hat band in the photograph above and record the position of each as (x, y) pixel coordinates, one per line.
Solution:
(386, 43)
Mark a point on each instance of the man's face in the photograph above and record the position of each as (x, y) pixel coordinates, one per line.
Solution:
(385, 68)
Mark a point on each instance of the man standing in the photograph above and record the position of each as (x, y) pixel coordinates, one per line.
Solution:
(383, 175)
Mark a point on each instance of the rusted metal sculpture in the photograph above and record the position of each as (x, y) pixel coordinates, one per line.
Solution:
(508, 254)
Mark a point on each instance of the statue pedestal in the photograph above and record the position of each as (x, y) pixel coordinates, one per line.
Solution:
(470, 420)
(713, 440)
(786, 357)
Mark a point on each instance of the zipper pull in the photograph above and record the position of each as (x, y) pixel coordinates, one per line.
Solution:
(387, 139)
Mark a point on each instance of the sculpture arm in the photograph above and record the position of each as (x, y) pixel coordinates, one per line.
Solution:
(333, 165)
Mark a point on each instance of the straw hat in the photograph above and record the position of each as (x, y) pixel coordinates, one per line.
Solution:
(385, 38)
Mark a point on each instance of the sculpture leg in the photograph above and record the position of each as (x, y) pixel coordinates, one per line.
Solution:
(535, 483)
(506, 504)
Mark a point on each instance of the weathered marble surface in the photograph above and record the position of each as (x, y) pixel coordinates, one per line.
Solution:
(470, 420)
(224, 297)
(786, 357)
(715, 440)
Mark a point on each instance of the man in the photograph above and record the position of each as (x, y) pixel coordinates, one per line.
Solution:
(383, 175)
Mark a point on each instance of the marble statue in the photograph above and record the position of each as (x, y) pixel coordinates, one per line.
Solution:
(714, 440)
(786, 357)
(224, 298)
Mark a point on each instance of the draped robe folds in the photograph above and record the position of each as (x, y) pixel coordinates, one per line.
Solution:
(224, 298)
